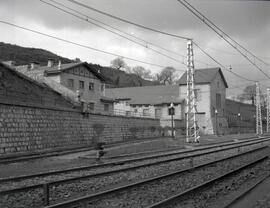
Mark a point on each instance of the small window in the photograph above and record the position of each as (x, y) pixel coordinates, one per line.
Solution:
(91, 86)
(81, 71)
(70, 83)
(81, 84)
(218, 100)
(106, 107)
(102, 87)
(76, 71)
(91, 106)
(145, 112)
(197, 94)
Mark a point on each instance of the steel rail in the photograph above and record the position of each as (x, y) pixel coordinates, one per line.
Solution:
(123, 161)
(126, 187)
(105, 173)
(245, 192)
(168, 201)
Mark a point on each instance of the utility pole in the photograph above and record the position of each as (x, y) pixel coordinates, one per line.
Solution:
(191, 125)
(258, 111)
(268, 111)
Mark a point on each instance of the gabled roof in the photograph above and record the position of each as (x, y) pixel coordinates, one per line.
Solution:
(204, 76)
(63, 67)
(37, 76)
(22, 75)
(147, 95)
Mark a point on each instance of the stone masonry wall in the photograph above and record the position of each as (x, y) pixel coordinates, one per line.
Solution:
(27, 129)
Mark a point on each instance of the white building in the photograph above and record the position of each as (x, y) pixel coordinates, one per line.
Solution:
(154, 101)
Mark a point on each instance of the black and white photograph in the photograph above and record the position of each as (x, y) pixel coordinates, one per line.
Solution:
(134, 104)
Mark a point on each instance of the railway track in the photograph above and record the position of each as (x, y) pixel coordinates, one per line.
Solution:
(147, 192)
(146, 159)
(118, 176)
(35, 181)
(212, 192)
(233, 202)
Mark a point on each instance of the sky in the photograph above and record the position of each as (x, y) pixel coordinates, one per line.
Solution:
(248, 22)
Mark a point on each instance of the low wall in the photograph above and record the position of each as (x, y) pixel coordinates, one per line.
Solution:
(29, 129)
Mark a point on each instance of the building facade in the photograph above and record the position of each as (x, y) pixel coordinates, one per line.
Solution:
(210, 90)
(81, 80)
(155, 101)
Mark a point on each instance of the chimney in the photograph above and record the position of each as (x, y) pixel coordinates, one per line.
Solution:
(59, 64)
(50, 63)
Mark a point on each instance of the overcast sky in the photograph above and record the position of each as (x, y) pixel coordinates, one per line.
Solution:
(248, 22)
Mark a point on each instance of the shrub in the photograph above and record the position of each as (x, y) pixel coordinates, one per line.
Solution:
(152, 129)
(98, 130)
(133, 131)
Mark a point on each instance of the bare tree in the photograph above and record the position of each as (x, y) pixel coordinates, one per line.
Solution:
(166, 76)
(249, 94)
(142, 72)
(118, 63)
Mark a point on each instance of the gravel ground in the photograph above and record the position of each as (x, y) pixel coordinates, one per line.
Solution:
(265, 202)
(96, 170)
(220, 193)
(143, 195)
(79, 188)
(74, 159)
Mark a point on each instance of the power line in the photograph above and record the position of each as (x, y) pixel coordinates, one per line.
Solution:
(116, 33)
(126, 33)
(222, 66)
(129, 22)
(80, 45)
(222, 34)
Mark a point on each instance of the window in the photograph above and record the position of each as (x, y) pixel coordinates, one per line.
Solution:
(102, 87)
(218, 100)
(197, 94)
(81, 84)
(91, 106)
(70, 83)
(91, 86)
(145, 112)
(157, 113)
(106, 107)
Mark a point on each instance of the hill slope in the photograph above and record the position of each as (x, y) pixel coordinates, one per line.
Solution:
(23, 56)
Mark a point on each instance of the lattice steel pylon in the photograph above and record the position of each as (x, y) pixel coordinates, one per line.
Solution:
(258, 111)
(268, 111)
(191, 124)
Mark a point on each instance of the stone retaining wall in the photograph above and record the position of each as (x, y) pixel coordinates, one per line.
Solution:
(30, 129)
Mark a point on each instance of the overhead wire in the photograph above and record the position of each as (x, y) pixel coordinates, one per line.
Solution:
(81, 45)
(109, 30)
(173, 35)
(218, 31)
(129, 22)
(222, 66)
(106, 51)
(126, 33)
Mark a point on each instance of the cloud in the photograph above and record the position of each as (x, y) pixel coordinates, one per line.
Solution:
(247, 22)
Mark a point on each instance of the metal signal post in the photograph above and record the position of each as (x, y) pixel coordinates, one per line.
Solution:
(268, 111)
(191, 124)
(258, 111)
